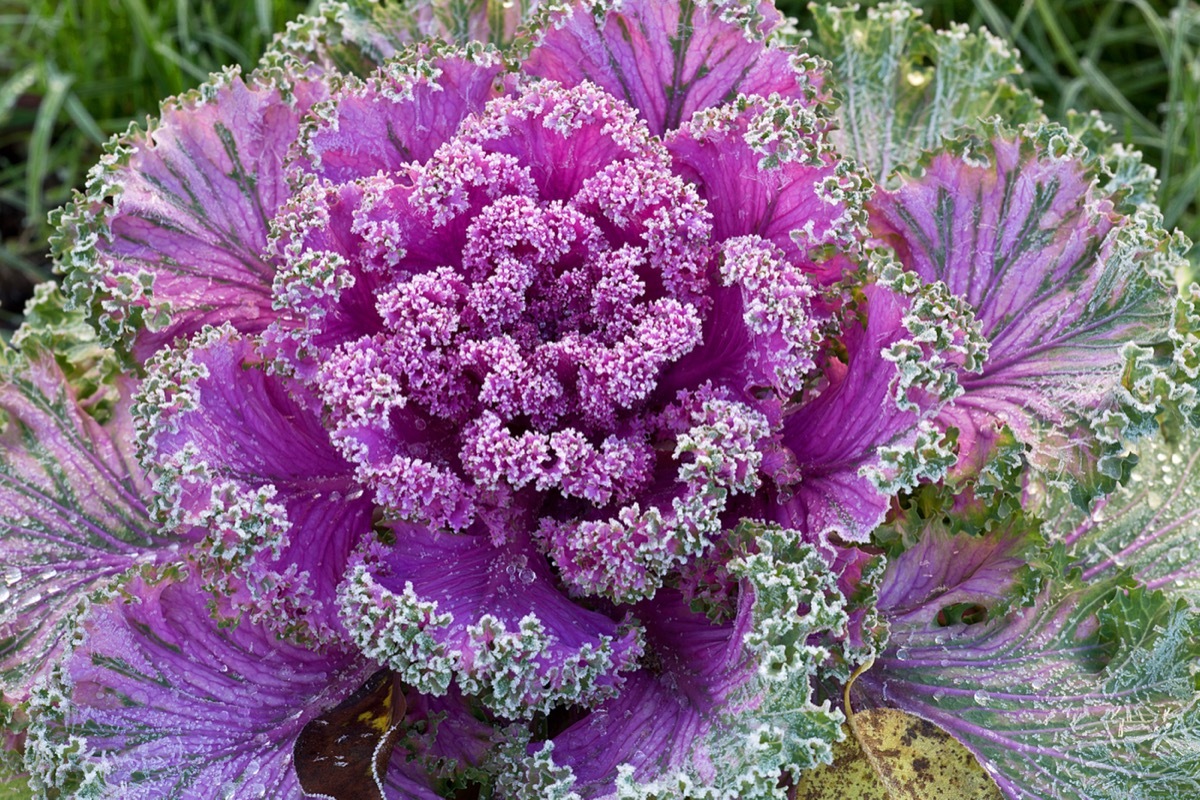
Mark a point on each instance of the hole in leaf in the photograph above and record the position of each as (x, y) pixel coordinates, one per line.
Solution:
(962, 614)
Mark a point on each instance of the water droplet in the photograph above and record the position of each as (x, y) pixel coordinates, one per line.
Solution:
(1154, 500)
(11, 575)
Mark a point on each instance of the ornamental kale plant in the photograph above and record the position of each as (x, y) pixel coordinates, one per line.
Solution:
(563, 400)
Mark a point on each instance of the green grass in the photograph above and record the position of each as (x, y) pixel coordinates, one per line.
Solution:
(73, 72)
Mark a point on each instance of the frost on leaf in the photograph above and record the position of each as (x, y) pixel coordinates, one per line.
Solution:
(805, 198)
(903, 86)
(72, 509)
(356, 36)
(1086, 693)
(171, 233)
(719, 710)
(1149, 526)
(670, 60)
(862, 438)
(439, 606)
(1074, 300)
(158, 701)
(400, 113)
(240, 455)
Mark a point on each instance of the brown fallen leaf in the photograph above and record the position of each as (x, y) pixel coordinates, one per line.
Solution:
(890, 754)
(343, 753)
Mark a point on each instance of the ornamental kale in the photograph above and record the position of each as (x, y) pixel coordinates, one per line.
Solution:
(563, 400)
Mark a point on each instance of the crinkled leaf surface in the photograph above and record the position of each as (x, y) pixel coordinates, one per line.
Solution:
(159, 701)
(838, 442)
(719, 711)
(438, 604)
(1088, 693)
(72, 511)
(903, 86)
(1064, 290)
(1150, 526)
(240, 453)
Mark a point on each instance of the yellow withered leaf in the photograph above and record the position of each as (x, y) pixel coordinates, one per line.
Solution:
(890, 754)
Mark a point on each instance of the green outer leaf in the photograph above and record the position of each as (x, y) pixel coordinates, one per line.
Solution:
(15, 789)
(92, 370)
(1089, 694)
(356, 36)
(903, 86)
(1150, 526)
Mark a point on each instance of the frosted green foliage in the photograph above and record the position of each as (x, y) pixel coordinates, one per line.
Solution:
(57, 763)
(356, 36)
(944, 337)
(525, 776)
(1149, 526)
(1127, 175)
(903, 86)
(90, 368)
(769, 725)
(398, 629)
(1089, 694)
(169, 390)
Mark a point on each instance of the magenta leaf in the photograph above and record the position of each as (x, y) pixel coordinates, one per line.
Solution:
(240, 454)
(158, 700)
(670, 60)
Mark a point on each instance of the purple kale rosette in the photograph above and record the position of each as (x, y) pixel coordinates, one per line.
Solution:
(563, 400)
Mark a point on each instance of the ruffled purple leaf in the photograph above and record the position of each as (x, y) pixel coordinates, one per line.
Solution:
(241, 453)
(670, 60)
(766, 168)
(158, 700)
(401, 113)
(491, 288)
(721, 710)
(1068, 294)
(437, 606)
(843, 455)
(72, 509)
(1087, 692)
(172, 233)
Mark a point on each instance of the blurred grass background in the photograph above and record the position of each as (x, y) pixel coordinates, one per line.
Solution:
(73, 72)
